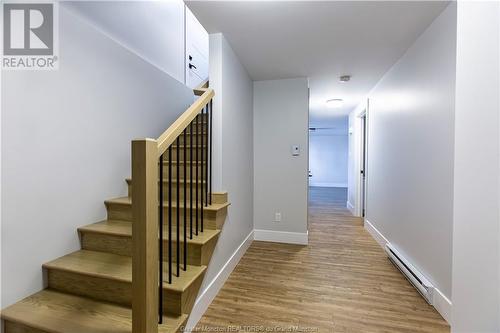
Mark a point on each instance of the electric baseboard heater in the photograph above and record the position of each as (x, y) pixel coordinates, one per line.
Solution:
(424, 287)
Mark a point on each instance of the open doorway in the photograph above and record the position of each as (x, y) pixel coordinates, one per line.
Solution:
(328, 162)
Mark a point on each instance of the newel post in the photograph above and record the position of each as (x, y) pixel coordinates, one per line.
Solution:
(145, 236)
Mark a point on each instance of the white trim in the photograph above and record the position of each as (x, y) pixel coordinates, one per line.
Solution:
(442, 304)
(362, 187)
(355, 125)
(439, 301)
(207, 296)
(350, 206)
(377, 235)
(282, 236)
(322, 184)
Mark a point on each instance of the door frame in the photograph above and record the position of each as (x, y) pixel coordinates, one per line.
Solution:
(362, 142)
(362, 163)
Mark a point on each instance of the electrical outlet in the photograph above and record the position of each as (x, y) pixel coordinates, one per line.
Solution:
(277, 217)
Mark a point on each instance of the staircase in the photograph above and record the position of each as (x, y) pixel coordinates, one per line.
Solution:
(112, 284)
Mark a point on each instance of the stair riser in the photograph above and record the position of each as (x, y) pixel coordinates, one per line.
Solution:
(189, 296)
(198, 149)
(181, 171)
(200, 120)
(211, 219)
(201, 116)
(198, 254)
(12, 327)
(219, 197)
(119, 292)
(201, 190)
(196, 136)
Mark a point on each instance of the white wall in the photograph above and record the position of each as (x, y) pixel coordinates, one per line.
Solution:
(280, 179)
(66, 145)
(410, 154)
(232, 163)
(328, 155)
(154, 30)
(233, 122)
(476, 230)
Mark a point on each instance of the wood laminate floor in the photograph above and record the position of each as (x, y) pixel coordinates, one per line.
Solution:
(341, 282)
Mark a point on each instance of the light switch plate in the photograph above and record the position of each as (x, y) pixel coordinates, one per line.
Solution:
(277, 217)
(295, 150)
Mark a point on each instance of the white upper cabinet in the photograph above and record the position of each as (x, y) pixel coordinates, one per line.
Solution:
(164, 33)
(196, 51)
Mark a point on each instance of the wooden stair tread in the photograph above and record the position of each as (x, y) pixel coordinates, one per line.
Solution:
(128, 201)
(91, 291)
(117, 267)
(109, 227)
(124, 228)
(57, 312)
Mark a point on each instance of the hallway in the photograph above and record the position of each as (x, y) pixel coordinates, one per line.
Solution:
(341, 282)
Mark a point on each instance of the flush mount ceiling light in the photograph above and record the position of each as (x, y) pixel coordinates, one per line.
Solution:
(335, 103)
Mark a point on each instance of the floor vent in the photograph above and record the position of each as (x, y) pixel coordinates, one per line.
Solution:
(424, 287)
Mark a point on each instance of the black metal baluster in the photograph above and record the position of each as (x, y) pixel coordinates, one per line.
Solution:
(160, 246)
(196, 167)
(202, 148)
(210, 161)
(178, 208)
(185, 200)
(206, 157)
(191, 181)
(169, 214)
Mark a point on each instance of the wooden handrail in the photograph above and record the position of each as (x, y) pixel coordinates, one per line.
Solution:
(199, 91)
(201, 88)
(168, 137)
(145, 201)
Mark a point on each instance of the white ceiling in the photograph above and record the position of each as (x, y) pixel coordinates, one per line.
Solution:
(319, 40)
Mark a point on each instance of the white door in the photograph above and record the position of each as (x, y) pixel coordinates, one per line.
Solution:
(196, 51)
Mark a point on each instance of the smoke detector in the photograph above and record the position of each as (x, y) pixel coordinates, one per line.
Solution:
(345, 78)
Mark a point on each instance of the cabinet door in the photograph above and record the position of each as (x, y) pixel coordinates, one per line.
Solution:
(196, 51)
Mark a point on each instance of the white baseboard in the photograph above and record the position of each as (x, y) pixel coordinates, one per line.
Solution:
(377, 235)
(439, 301)
(281, 236)
(350, 207)
(207, 296)
(442, 304)
(321, 184)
